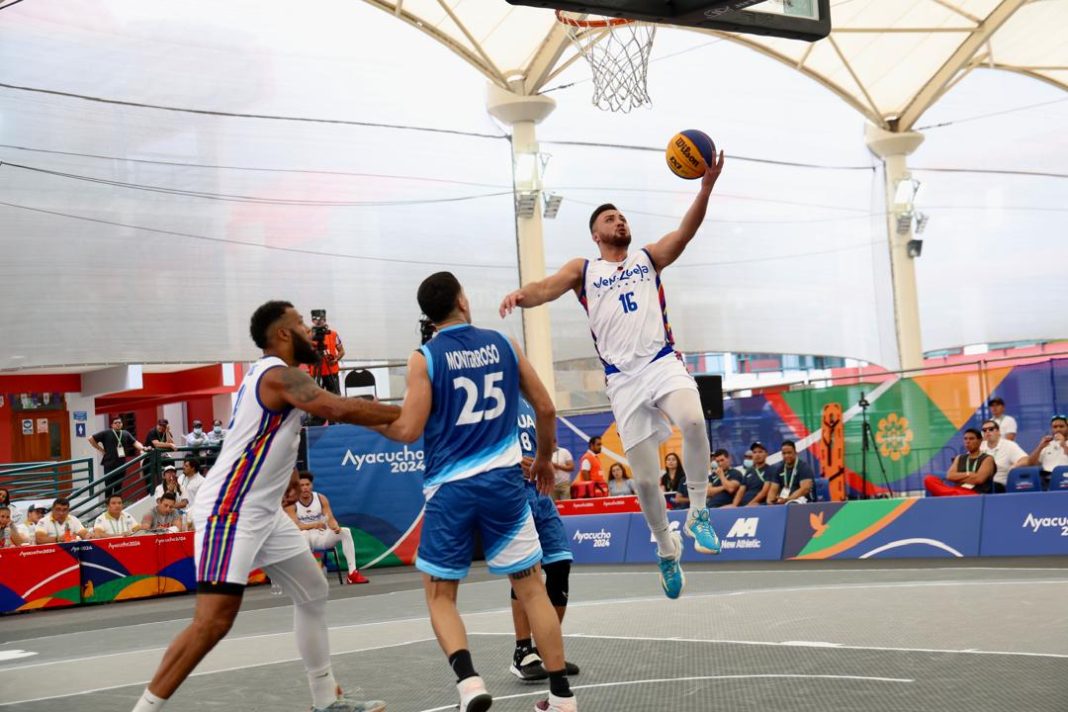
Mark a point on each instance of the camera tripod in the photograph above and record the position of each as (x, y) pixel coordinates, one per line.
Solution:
(867, 437)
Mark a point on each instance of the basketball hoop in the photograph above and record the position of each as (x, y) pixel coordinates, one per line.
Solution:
(618, 51)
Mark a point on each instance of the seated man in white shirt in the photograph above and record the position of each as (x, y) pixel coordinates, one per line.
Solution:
(9, 533)
(115, 521)
(60, 525)
(27, 528)
(1006, 453)
(316, 522)
(1006, 423)
(190, 480)
(1052, 449)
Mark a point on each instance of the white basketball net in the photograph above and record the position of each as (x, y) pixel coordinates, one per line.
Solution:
(618, 54)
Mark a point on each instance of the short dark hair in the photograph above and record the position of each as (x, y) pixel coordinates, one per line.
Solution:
(437, 296)
(994, 423)
(168, 495)
(1062, 418)
(721, 451)
(60, 501)
(597, 213)
(265, 315)
(114, 496)
(995, 401)
(305, 475)
(791, 443)
(594, 439)
(974, 432)
(194, 462)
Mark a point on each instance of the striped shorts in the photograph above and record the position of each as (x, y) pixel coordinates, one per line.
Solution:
(227, 547)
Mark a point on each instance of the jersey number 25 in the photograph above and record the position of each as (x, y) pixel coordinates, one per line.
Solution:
(490, 392)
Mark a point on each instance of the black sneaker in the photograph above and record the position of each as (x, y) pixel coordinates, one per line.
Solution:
(571, 668)
(529, 668)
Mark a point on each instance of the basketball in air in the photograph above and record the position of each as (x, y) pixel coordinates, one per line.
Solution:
(690, 153)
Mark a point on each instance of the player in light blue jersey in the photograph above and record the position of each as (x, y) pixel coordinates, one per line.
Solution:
(555, 560)
(462, 397)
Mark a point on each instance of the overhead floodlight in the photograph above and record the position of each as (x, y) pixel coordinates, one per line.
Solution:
(904, 222)
(921, 223)
(552, 205)
(905, 192)
(915, 248)
(526, 203)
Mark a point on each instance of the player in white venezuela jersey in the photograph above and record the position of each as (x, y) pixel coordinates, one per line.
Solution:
(644, 377)
(239, 523)
(462, 397)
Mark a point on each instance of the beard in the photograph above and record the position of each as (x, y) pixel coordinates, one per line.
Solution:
(303, 349)
(616, 239)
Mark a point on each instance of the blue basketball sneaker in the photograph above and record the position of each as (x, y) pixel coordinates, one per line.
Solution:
(700, 530)
(672, 580)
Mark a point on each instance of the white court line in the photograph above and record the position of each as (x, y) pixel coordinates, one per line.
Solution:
(810, 644)
(214, 672)
(743, 572)
(602, 602)
(786, 676)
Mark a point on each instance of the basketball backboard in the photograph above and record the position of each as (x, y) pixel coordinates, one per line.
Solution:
(807, 20)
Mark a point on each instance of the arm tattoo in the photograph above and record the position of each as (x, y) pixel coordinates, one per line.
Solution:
(299, 385)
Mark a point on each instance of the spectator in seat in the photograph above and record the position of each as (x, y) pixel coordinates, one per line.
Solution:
(619, 482)
(673, 479)
(1006, 453)
(1006, 423)
(164, 516)
(725, 484)
(115, 445)
(190, 480)
(197, 438)
(10, 534)
(313, 516)
(564, 465)
(170, 484)
(115, 521)
(216, 435)
(970, 473)
(793, 482)
(747, 460)
(60, 524)
(758, 476)
(1052, 449)
(28, 526)
(5, 501)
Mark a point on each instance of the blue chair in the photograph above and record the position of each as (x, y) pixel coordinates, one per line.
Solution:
(821, 490)
(1024, 479)
(1058, 479)
(323, 554)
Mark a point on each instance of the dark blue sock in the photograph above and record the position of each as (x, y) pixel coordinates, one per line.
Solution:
(461, 664)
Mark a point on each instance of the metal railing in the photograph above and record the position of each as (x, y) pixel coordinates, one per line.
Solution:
(45, 480)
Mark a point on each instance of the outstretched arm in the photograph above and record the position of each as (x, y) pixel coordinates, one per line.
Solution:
(418, 398)
(670, 246)
(546, 290)
(291, 386)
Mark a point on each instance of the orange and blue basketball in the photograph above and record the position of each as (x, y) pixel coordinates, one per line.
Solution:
(690, 153)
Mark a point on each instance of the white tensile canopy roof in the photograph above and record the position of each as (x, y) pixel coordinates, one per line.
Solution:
(168, 167)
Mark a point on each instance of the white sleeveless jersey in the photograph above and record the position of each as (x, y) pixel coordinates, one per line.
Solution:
(313, 513)
(257, 456)
(627, 312)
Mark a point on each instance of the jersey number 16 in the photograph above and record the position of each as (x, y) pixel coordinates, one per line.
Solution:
(627, 300)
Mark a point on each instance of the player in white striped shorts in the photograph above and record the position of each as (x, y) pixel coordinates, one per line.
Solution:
(239, 523)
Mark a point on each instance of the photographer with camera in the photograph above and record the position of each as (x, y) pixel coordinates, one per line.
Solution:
(330, 349)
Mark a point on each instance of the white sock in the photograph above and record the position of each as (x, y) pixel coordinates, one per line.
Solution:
(349, 547)
(149, 703)
(698, 496)
(323, 687)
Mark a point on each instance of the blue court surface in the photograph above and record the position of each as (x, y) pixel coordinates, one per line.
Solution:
(858, 635)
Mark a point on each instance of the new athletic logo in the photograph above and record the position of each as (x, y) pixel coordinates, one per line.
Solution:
(601, 539)
(635, 271)
(1035, 523)
(742, 534)
(404, 460)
